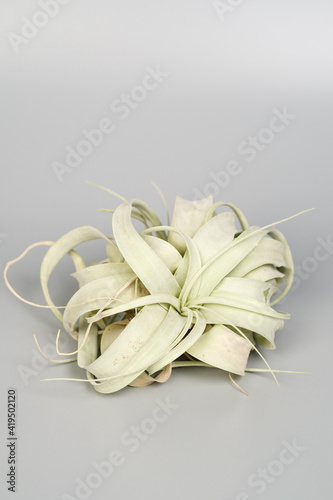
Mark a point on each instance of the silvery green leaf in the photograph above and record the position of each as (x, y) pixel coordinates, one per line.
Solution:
(188, 217)
(142, 259)
(222, 348)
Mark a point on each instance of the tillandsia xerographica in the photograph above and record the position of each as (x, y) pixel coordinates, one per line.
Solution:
(198, 291)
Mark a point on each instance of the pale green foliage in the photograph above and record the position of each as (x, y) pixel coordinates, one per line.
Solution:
(200, 287)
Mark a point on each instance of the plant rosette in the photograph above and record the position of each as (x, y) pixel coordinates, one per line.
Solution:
(198, 291)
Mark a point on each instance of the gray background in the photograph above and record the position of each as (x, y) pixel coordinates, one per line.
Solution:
(227, 73)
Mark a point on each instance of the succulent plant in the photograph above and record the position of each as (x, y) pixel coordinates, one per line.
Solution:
(196, 292)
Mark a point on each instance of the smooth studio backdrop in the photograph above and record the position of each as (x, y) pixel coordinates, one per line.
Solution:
(229, 98)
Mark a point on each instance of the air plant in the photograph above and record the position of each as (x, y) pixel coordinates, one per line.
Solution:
(198, 291)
